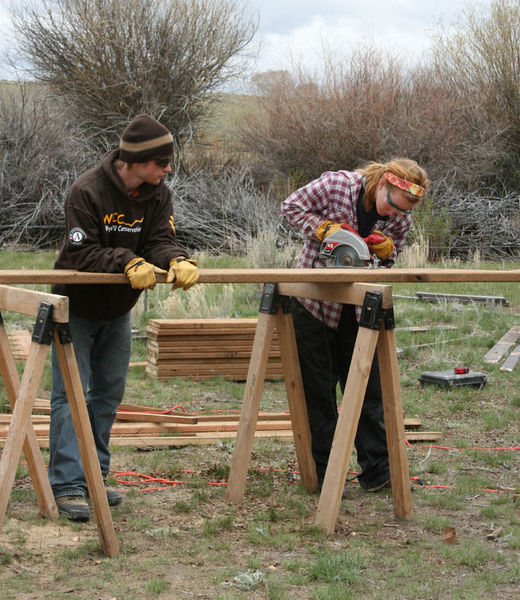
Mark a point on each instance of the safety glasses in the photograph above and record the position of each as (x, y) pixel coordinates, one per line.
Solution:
(162, 162)
(389, 200)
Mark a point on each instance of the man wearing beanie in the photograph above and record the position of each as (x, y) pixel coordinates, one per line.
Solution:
(118, 219)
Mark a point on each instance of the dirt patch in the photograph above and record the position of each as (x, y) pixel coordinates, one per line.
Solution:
(45, 538)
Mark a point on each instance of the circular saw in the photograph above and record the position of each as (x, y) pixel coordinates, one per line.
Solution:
(346, 248)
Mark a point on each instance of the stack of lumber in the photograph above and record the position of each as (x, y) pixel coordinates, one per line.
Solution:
(204, 348)
(145, 427)
(20, 342)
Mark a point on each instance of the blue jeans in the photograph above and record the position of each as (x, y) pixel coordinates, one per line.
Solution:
(102, 350)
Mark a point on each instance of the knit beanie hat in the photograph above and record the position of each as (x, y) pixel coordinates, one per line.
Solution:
(144, 139)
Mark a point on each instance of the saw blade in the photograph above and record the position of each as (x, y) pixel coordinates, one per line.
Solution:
(346, 256)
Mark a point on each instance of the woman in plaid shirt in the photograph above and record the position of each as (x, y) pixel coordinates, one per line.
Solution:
(378, 197)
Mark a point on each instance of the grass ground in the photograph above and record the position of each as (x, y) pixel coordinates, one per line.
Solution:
(185, 541)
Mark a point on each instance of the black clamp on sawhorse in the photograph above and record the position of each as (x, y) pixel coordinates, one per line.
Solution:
(376, 330)
(52, 315)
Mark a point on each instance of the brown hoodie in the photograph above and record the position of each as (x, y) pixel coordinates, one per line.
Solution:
(105, 229)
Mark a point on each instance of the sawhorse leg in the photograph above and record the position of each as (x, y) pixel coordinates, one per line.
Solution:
(20, 429)
(369, 336)
(31, 449)
(394, 422)
(21, 425)
(271, 313)
(85, 438)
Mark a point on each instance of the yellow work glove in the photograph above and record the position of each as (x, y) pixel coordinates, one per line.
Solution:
(183, 272)
(326, 228)
(142, 274)
(383, 249)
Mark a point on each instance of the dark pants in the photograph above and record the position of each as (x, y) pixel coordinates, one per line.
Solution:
(325, 355)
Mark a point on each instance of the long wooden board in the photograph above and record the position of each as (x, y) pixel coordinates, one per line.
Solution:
(143, 429)
(172, 344)
(157, 417)
(42, 276)
(167, 357)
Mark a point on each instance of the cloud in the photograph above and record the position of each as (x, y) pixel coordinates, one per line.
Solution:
(298, 31)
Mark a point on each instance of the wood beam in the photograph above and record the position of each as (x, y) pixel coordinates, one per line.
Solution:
(350, 293)
(28, 302)
(362, 275)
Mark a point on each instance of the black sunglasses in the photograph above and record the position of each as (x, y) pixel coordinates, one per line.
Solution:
(162, 162)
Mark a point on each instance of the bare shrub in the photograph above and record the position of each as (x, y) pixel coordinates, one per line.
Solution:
(483, 56)
(220, 214)
(40, 155)
(370, 107)
(478, 60)
(112, 59)
(488, 223)
(446, 130)
(309, 125)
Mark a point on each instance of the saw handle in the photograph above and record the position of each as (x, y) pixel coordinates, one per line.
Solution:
(372, 238)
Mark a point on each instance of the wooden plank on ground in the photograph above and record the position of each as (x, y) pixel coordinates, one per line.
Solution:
(35, 419)
(504, 344)
(198, 439)
(175, 430)
(183, 440)
(262, 416)
(209, 418)
(42, 406)
(124, 415)
(139, 428)
(425, 328)
(146, 441)
(464, 298)
(511, 361)
(423, 436)
(232, 375)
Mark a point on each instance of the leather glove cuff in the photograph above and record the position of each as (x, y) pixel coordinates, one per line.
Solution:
(135, 262)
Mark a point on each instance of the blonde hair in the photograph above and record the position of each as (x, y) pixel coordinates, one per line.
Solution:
(405, 168)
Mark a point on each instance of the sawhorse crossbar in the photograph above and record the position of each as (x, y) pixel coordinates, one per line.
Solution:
(376, 331)
(52, 315)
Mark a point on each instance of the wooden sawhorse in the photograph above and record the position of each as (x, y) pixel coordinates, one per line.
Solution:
(376, 330)
(52, 316)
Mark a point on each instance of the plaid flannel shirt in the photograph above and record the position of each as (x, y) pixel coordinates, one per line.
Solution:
(333, 197)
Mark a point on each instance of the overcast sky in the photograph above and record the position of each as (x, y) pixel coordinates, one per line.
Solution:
(298, 30)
